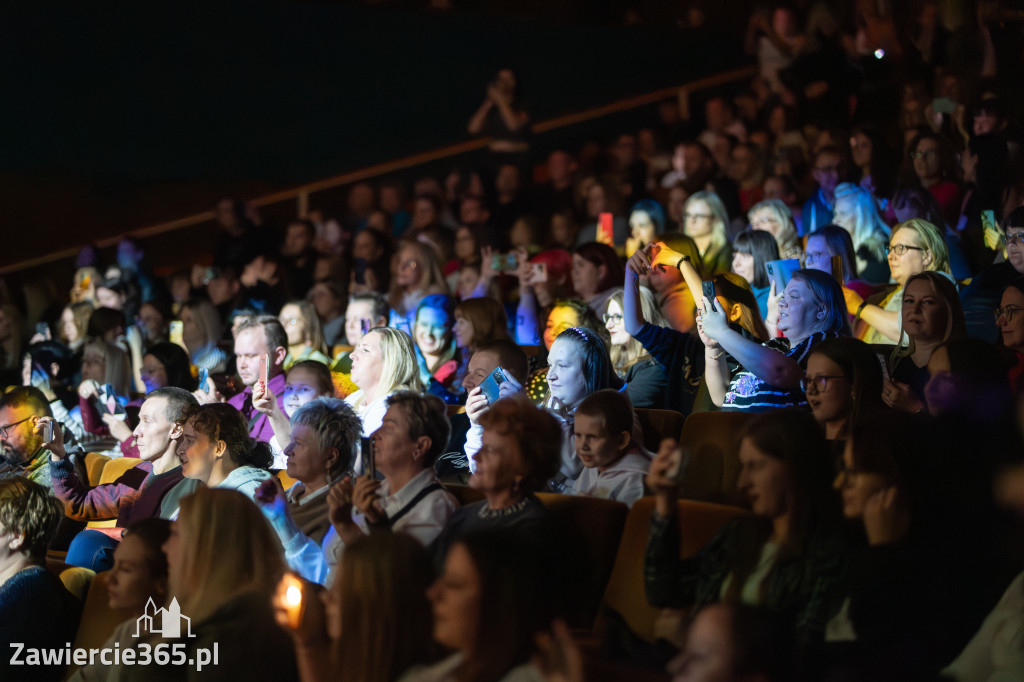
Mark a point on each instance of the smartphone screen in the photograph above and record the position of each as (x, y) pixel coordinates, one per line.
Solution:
(491, 386)
(779, 271)
(369, 457)
(176, 330)
(264, 369)
(606, 229)
(708, 289)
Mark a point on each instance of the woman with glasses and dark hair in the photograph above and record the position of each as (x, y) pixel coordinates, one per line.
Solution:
(1010, 320)
(915, 246)
(750, 251)
(843, 384)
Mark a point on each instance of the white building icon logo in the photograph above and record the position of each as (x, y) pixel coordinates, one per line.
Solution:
(170, 621)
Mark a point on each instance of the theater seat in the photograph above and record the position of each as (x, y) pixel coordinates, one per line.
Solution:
(98, 619)
(711, 439)
(597, 524)
(286, 480)
(659, 425)
(463, 493)
(94, 464)
(455, 409)
(625, 592)
(113, 469)
(77, 580)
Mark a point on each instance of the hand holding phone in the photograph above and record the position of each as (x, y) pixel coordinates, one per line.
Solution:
(707, 288)
(780, 271)
(369, 457)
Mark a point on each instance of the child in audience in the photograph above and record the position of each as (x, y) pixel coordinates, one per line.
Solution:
(305, 381)
(614, 464)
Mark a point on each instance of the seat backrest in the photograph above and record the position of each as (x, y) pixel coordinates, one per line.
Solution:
(286, 480)
(596, 526)
(114, 468)
(699, 522)
(711, 439)
(98, 620)
(455, 409)
(464, 494)
(76, 580)
(94, 465)
(659, 425)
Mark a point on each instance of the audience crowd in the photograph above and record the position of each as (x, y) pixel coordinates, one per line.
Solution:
(351, 434)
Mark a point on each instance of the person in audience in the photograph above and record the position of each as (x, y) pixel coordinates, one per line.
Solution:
(931, 315)
(915, 246)
(51, 366)
(705, 222)
(907, 491)
(410, 498)
(74, 320)
(21, 436)
(224, 580)
(515, 366)
(36, 610)
(843, 385)
(750, 251)
(256, 340)
(733, 643)
(827, 242)
(328, 301)
(1010, 320)
(153, 321)
(434, 341)
(785, 557)
(810, 310)
(384, 362)
(374, 623)
(614, 465)
(827, 168)
(543, 279)
(371, 262)
(215, 448)
(596, 273)
(364, 312)
(772, 216)
(673, 295)
(200, 329)
(106, 377)
(417, 274)
(503, 117)
(968, 379)
(137, 578)
(645, 377)
(646, 223)
(479, 321)
(486, 573)
(305, 337)
(519, 453)
(305, 381)
(934, 168)
(857, 213)
(153, 488)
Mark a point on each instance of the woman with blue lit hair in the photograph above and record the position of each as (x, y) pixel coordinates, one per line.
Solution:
(857, 213)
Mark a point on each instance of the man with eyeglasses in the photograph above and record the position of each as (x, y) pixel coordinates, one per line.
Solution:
(21, 437)
(986, 289)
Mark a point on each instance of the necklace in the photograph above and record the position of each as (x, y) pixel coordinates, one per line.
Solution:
(488, 513)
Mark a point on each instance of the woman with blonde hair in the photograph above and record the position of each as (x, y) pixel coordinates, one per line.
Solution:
(645, 377)
(224, 581)
(305, 336)
(74, 320)
(375, 621)
(382, 363)
(200, 330)
(705, 221)
(416, 273)
(915, 246)
(775, 218)
(857, 213)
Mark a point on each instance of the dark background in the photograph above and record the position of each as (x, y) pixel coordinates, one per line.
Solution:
(120, 117)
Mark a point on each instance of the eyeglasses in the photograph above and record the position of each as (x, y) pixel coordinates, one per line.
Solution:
(901, 249)
(6, 428)
(1007, 312)
(926, 154)
(614, 319)
(292, 321)
(815, 256)
(1015, 238)
(764, 221)
(819, 382)
(697, 216)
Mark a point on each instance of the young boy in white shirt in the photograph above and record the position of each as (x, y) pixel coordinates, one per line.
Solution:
(614, 465)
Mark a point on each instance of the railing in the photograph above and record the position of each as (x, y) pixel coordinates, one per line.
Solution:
(301, 194)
